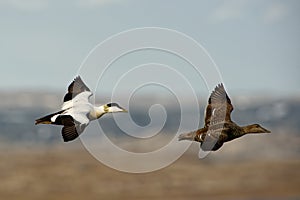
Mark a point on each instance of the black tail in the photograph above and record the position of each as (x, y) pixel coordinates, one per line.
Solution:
(47, 119)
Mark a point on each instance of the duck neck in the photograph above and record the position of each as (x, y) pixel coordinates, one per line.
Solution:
(98, 112)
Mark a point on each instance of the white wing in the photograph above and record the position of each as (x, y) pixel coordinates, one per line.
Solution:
(80, 112)
(80, 99)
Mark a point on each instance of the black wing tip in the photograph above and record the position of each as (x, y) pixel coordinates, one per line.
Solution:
(79, 81)
(77, 86)
(77, 78)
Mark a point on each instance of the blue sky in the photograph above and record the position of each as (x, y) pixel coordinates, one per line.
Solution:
(254, 43)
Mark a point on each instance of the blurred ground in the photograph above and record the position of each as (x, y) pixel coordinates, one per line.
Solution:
(70, 172)
(36, 164)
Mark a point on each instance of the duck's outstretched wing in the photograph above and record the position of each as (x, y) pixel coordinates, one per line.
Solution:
(78, 94)
(219, 107)
(75, 88)
(72, 128)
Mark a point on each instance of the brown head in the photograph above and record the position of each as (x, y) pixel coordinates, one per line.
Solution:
(255, 128)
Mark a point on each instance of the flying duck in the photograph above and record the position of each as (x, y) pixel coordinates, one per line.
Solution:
(219, 128)
(77, 111)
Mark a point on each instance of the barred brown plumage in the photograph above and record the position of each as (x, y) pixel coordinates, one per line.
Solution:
(218, 127)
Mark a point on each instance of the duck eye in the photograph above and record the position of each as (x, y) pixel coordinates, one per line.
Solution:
(112, 104)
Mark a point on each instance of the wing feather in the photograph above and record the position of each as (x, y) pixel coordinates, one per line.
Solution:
(72, 128)
(219, 107)
(69, 133)
(75, 88)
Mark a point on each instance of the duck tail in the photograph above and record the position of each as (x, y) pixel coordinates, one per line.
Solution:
(47, 119)
(187, 136)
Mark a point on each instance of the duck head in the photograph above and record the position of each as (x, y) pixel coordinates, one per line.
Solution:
(113, 107)
(255, 128)
(109, 108)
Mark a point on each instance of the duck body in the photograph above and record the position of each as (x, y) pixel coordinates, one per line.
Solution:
(219, 128)
(212, 138)
(77, 112)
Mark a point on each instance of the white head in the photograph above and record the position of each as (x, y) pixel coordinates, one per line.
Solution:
(113, 107)
(109, 108)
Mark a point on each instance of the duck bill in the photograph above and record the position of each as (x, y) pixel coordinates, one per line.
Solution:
(266, 130)
(124, 110)
(120, 109)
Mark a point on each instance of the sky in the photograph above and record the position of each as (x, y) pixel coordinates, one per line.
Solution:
(255, 44)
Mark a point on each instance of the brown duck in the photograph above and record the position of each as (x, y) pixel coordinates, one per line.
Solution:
(218, 127)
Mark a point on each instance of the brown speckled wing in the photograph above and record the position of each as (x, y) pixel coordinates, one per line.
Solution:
(219, 107)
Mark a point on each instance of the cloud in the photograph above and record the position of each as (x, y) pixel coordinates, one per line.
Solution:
(275, 12)
(25, 5)
(229, 10)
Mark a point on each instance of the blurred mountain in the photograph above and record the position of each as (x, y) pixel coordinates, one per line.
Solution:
(19, 110)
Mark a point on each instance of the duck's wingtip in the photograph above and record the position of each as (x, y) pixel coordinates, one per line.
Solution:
(221, 85)
(78, 77)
